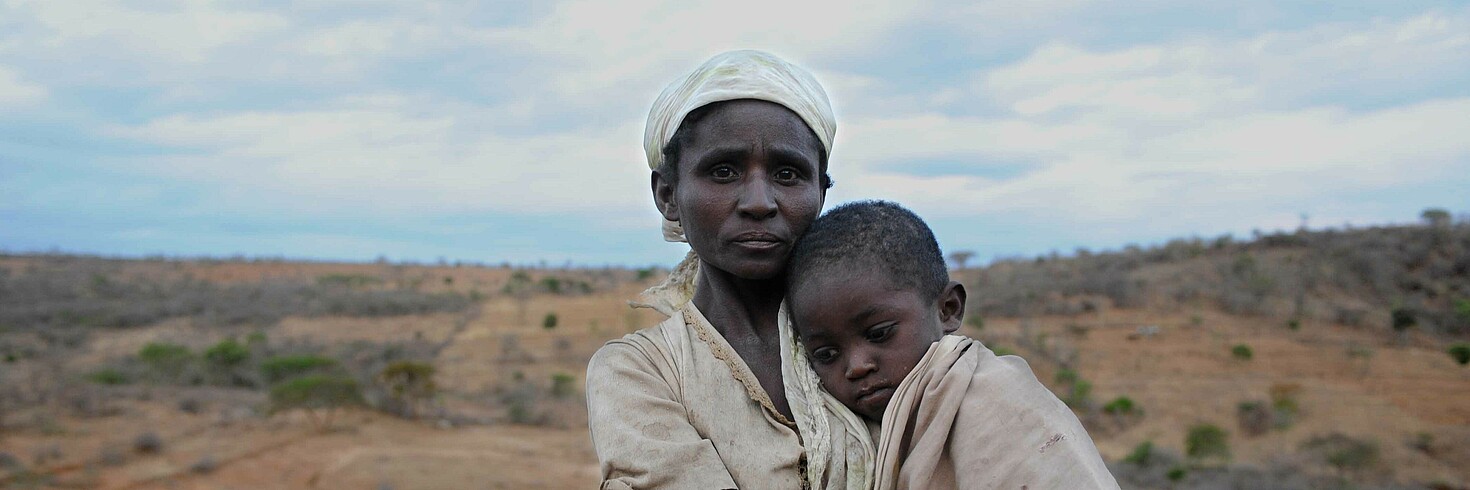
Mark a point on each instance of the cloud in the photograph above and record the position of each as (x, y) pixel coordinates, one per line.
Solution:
(391, 161)
(14, 91)
(188, 32)
(1056, 117)
(1194, 127)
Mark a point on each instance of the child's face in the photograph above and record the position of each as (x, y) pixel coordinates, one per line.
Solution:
(863, 333)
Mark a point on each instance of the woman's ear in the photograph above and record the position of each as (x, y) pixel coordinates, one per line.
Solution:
(951, 305)
(663, 196)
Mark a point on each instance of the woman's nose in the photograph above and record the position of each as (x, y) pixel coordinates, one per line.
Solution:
(757, 199)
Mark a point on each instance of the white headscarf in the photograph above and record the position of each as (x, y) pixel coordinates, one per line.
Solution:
(762, 76)
(733, 75)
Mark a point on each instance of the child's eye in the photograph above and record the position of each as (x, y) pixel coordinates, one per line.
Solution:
(824, 355)
(880, 333)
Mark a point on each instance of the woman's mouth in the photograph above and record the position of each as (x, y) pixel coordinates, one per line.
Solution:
(758, 240)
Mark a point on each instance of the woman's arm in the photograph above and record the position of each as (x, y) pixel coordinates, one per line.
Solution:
(640, 427)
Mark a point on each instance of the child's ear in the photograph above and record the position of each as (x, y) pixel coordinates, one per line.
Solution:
(952, 307)
(663, 196)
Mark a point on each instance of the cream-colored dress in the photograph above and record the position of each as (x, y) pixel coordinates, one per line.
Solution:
(673, 406)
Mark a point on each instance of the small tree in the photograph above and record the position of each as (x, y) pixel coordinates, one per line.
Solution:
(320, 395)
(1436, 217)
(410, 384)
(960, 258)
(223, 359)
(549, 322)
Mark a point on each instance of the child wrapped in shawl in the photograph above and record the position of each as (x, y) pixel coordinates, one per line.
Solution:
(872, 306)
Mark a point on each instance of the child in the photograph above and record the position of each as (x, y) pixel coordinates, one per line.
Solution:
(872, 305)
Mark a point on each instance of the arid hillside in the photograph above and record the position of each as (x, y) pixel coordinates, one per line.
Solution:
(1307, 360)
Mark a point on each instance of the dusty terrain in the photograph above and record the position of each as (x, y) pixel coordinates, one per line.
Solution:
(498, 421)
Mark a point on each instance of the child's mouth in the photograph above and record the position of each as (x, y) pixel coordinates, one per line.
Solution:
(875, 396)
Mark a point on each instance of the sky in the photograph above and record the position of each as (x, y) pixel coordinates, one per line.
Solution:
(496, 131)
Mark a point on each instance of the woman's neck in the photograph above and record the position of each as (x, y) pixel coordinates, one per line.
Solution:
(739, 307)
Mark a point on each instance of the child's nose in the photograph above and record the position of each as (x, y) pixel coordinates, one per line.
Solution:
(861, 367)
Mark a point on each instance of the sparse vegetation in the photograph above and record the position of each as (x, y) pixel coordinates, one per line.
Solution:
(549, 322)
(1242, 352)
(1207, 441)
(108, 376)
(68, 291)
(1350, 276)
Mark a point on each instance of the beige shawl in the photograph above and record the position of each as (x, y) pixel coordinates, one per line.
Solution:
(965, 418)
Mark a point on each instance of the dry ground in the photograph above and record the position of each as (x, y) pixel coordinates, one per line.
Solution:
(1180, 376)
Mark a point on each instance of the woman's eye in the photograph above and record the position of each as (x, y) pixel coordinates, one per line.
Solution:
(722, 172)
(824, 355)
(880, 333)
(786, 175)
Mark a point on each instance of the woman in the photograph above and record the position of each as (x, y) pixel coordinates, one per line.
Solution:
(738, 151)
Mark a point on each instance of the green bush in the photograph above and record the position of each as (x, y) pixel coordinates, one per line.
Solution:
(549, 322)
(1294, 324)
(164, 356)
(1142, 454)
(1343, 452)
(1066, 376)
(1120, 406)
(1206, 440)
(316, 393)
(280, 368)
(226, 354)
(1460, 352)
(1080, 396)
(563, 385)
(108, 376)
(1176, 474)
(1242, 352)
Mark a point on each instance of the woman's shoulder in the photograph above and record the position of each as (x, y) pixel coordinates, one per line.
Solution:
(644, 347)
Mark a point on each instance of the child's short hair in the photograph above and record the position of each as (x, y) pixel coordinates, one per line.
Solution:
(871, 232)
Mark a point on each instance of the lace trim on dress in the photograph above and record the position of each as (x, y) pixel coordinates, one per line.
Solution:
(722, 351)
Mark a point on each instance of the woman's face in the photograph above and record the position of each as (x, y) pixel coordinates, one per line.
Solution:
(748, 187)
